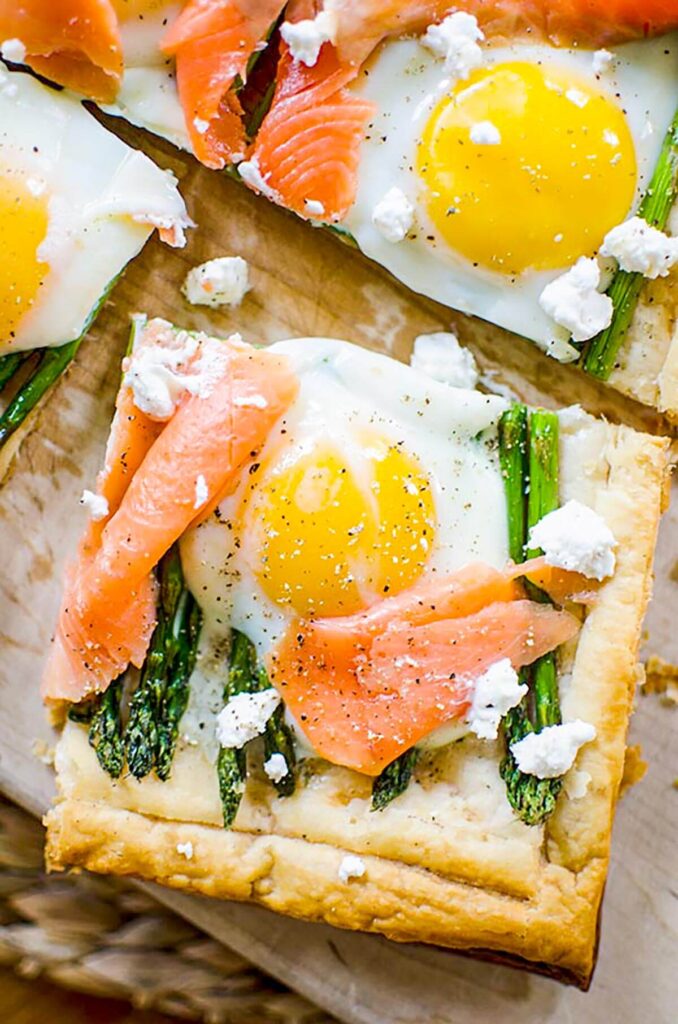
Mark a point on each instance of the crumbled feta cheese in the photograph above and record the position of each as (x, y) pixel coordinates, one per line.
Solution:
(351, 867)
(641, 249)
(574, 302)
(577, 784)
(456, 39)
(484, 133)
(96, 505)
(185, 849)
(244, 717)
(575, 537)
(13, 50)
(152, 374)
(393, 216)
(496, 691)
(219, 282)
(551, 752)
(201, 492)
(602, 61)
(314, 208)
(250, 172)
(251, 401)
(580, 99)
(306, 38)
(276, 767)
(440, 356)
(200, 125)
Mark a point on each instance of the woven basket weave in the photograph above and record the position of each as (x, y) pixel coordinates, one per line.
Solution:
(105, 937)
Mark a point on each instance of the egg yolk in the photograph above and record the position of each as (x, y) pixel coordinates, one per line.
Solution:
(23, 226)
(330, 535)
(560, 173)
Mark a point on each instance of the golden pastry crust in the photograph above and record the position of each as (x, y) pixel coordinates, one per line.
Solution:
(447, 862)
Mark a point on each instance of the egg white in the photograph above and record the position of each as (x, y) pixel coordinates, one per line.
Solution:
(148, 96)
(103, 202)
(405, 81)
(344, 386)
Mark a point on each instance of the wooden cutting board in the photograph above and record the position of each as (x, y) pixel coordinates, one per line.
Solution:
(306, 282)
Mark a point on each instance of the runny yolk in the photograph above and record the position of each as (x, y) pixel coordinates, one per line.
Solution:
(561, 175)
(23, 226)
(329, 535)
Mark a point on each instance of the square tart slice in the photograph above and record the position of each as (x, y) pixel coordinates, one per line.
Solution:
(447, 860)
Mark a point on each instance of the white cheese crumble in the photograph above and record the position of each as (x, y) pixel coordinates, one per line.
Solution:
(351, 867)
(96, 505)
(576, 96)
(200, 125)
(575, 537)
(251, 401)
(602, 61)
(496, 691)
(393, 216)
(574, 302)
(306, 38)
(484, 133)
(276, 767)
(314, 208)
(456, 39)
(223, 281)
(153, 376)
(185, 849)
(440, 356)
(244, 717)
(640, 248)
(201, 492)
(13, 50)
(551, 752)
(250, 172)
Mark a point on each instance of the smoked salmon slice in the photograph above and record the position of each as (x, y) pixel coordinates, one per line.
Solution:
(73, 42)
(212, 42)
(108, 609)
(363, 704)
(308, 147)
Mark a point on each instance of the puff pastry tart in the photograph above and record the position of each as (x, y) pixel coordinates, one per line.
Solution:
(513, 160)
(354, 644)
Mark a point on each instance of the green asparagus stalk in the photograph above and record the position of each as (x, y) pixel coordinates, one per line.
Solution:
(9, 364)
(232, 764)
(51, 364)
(105, 731)
(655, 207)
(532, 469)
(182, 648)
(161, 696)
(393, 780)
(278, 739)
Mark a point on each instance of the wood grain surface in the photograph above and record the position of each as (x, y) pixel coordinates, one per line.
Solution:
(306, 283)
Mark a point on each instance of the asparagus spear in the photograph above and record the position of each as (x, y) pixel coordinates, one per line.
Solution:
(533, 799)
(51, 364)
(625, 288)
(393, 780)
(9, 364)
(231, 763)
(105, 731)
(278, 739)
(245, 676)
(161, 696)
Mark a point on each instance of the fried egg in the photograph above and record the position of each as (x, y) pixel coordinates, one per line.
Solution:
(76, 204)
(510, 174)
(378, 477)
